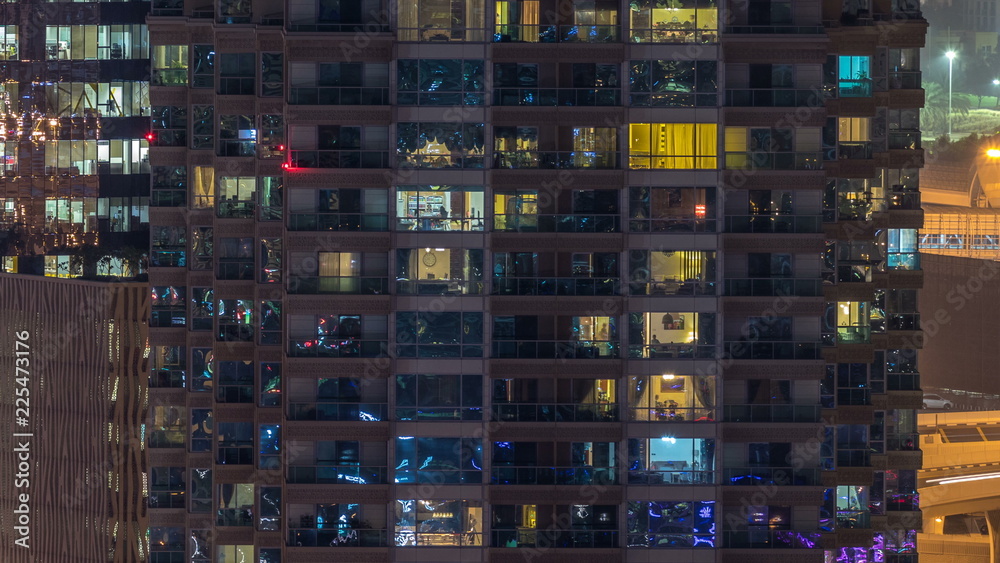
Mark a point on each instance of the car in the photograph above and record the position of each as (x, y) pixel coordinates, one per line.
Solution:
(936, 402)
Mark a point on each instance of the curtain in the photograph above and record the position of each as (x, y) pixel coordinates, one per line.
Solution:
(203, 186)
(707, 147)
(408, 26)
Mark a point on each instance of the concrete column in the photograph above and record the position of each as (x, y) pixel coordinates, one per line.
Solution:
(993, 522)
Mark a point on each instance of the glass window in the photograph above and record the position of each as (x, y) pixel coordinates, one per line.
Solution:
(340, 209)
(440, 145)
(439, 397)
(237, 135)
(672, 398)
(673, 145)
(202, 370)
(671, 524)
(439, 335)
(202, 308)
(670, 460)
(678, 21)
(168, 307)
(170, 64)
(236, 322)
(168, 246)
(202, 128)
(673, 83)
(237, 74)
(233, 553)
(235, 259)
(235, 444)
(855, 77)
(439, 208)
(167, 366)
(272, 73)
(660, 209)
(236, 197)
(339, 83)
(439, 271)
(439, 460)
(902, 250)
(202, 66)
(672, 335)
(270, 384)
(439, 82)
(8, 43)
(441, 20)
(170, 186)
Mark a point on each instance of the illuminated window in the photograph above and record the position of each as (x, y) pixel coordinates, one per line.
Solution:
(854, 129)
(441, 20)
(855, 77)
(673, 145)
(170, 65)
(677, 21)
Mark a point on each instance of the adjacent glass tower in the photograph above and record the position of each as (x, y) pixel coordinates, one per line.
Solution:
(490, 280)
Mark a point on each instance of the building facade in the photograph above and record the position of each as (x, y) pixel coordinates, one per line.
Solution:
(74, 99)
(470, 281)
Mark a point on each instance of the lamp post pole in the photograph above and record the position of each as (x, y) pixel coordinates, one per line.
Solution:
(951, 61)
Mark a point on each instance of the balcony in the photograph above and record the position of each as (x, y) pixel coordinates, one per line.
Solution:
(336, 475)
(666, 475)
(671, 413)
(756, 350)
(579, 539)
(775, 29)
(530, 33)
(338, 222)
(905, 80)
(860, 88)
(801, 224)
(854, 335)
(539, 223)
(771, 413)
(333, 347)
(338, 159)
(534, 475)
(672, 350)
(774, 161)
(334, 96)
(768, 98)
(902, 442)
(340, 411)
(904, 140)
(439, 287)
(313, 26)
(583, 97)
(775, 539)
(337, 537)
(349, 285)
(551, 160)
(769, 287)
(572, 412)
(584, 350)
(781, 476)
(556, 286)
(854, 150)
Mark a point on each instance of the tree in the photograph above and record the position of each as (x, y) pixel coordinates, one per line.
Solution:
(934, 116)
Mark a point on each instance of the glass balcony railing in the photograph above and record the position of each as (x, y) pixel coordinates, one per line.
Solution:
(336, 475)
(438, 287)
(757, 350)
(854, 334)
(902, 502)
(311, 285)
(599, 160)
(312, 25)
(903, 442)
(338, 159)
(853, 457)
(531, 33)
(553, 475)
(903, 261)
(556, 286)
(557, 349)
(338, 96)
(771, 413)
(774, 160)
(902, 321)
(775, 539)
(767, 97)
(337, 537)
(854, 150)
(860, 88)
(470, 161)
(334, 347)
(767, 287)
(671, 414)
(671, 350)
(749, 476)
(678, 224)
(669, 32)
(854, 519)
(670, 477)
(904, 140)
(557, 97)
(905, 80)
(776, 29)
(673, 287)
(576, 223)
(909, 201)
(557, 539)
(338, 222)
(774, 224)
(346, 412)
(438, 224)
(579, 412)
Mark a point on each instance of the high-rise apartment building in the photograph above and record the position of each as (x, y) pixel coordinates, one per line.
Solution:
(74, 190)
(459, 280)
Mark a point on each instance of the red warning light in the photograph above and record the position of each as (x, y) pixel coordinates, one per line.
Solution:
(150, 137)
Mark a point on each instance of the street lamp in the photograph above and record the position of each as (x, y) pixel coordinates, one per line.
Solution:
(993, 153)
(951, 60)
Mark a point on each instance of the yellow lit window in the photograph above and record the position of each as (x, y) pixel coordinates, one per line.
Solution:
(673, 145)
(854, 129)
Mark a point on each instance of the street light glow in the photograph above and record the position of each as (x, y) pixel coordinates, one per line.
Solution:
(996, 82)
(950, 55)
(993, 153)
